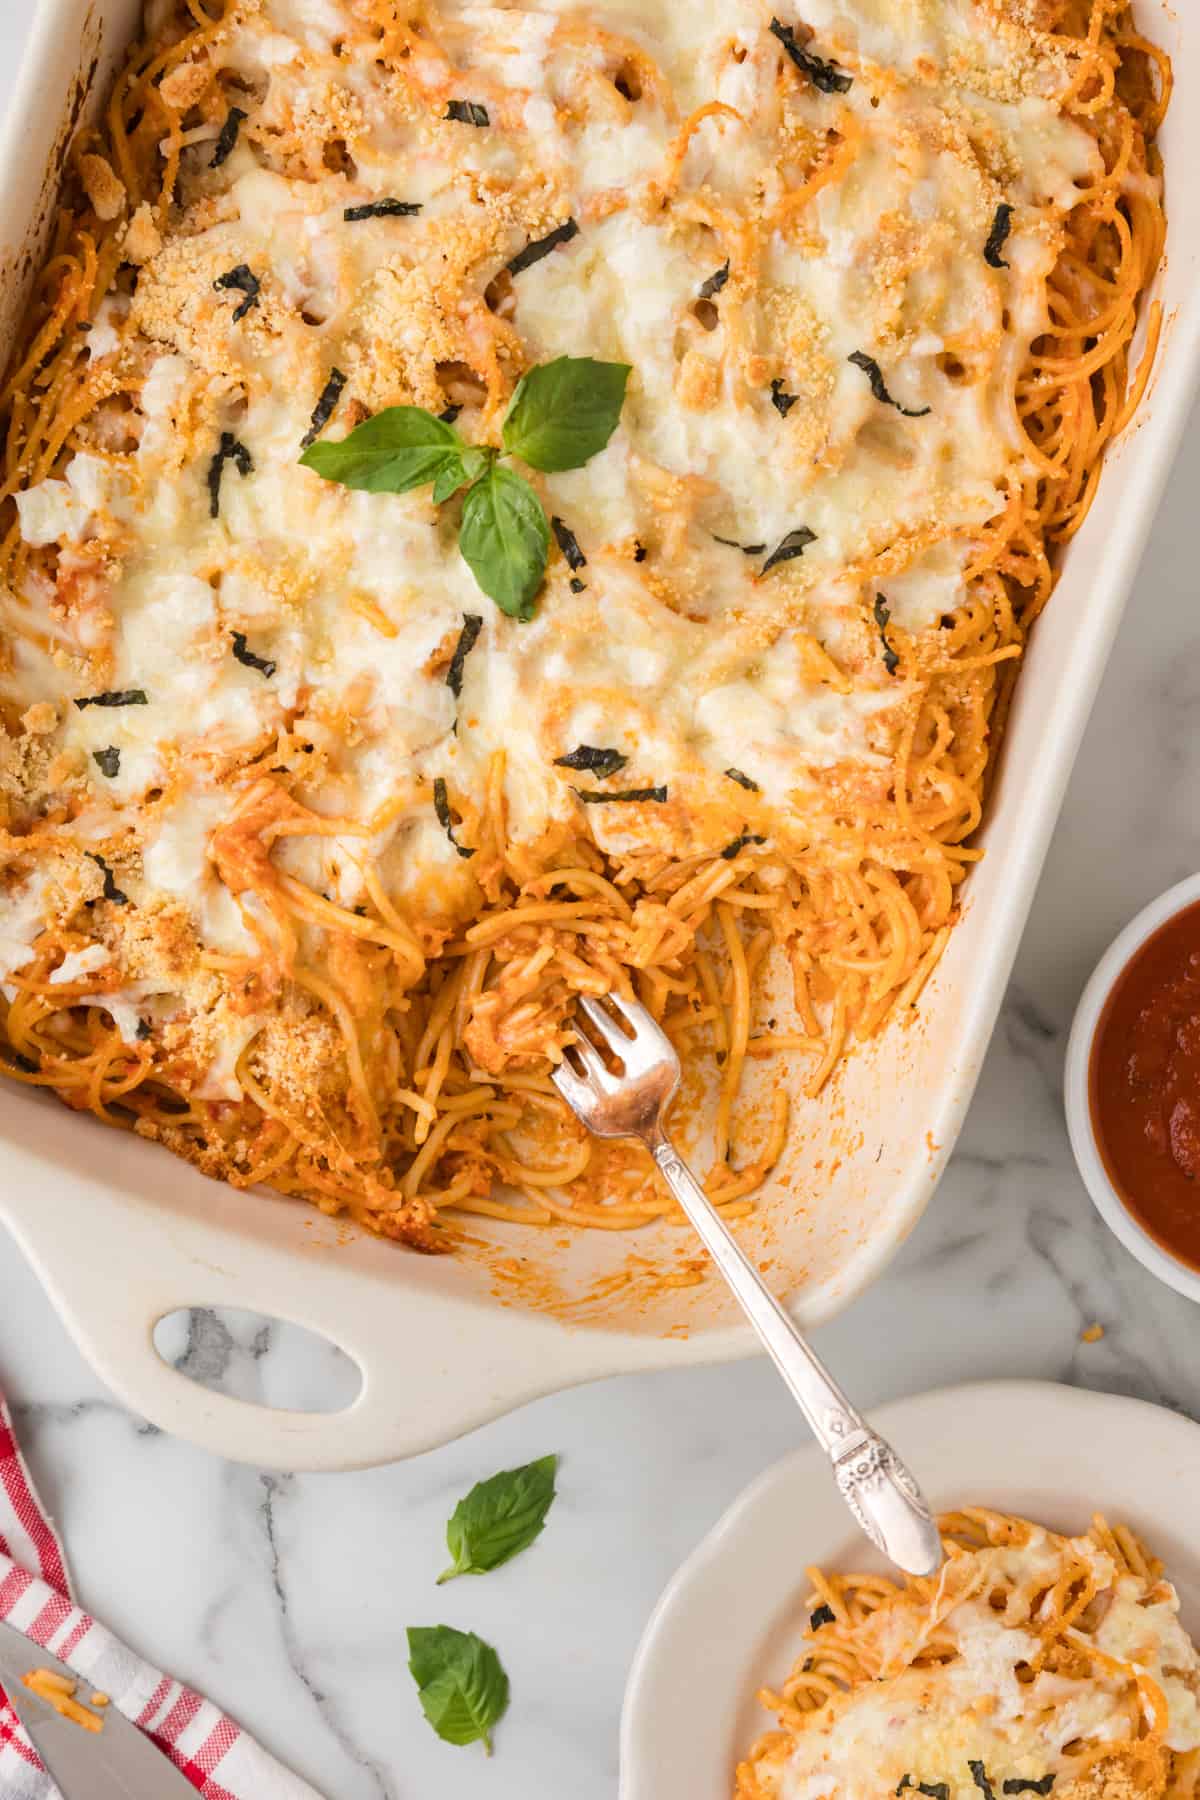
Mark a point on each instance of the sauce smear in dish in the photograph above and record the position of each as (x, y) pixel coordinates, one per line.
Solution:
(1144, 1086)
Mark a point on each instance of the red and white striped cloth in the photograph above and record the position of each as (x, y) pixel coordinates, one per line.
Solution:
(217, 1757)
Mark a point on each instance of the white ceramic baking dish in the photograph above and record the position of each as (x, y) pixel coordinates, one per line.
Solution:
(121, 1233)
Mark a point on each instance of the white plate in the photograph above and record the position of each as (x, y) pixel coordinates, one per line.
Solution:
(733, 1617)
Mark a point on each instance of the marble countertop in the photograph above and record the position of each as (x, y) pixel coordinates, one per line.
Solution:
(279, 1595)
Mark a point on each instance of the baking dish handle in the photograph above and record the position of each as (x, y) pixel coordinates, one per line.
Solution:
(435, 1359)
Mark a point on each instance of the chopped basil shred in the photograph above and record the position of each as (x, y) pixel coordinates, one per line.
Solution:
(539, 247)
(728, 853)
(823, 74)
(108, 761)
(115, 697)
(979, 1776)
(325, 408)
(794, 544)
(824, 1615)
(234, 120)
(715, 282)
(264, 664)
(241, 280)
(468, 112)
(883, 613)
(998, 236)
(441, 806)
(382, 209)
(472, 626)
(111, 890)
(657, 794)
(1015, 1785)
(587, 758)
(732, 544)
(576, 586)
(933, 1790)
(231, 450)
(568, 543)
(743, 780)
(874, 373)
(782, 401)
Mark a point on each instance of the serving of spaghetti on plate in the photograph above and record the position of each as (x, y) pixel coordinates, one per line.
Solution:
(310, 845)
(1053, 1653)
(1032, 1663)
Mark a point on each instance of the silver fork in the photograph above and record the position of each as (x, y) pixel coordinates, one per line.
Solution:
(872, 1480)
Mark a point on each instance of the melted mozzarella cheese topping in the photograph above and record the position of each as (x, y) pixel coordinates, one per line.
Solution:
(745, 420)
(931, 1723)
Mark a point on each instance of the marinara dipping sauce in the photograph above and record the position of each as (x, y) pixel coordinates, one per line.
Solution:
(1144, 1085)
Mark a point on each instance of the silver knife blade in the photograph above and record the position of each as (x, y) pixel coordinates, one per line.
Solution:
(118, 1763)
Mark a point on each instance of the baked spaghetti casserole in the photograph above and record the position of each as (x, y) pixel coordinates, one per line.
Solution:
(505, 502)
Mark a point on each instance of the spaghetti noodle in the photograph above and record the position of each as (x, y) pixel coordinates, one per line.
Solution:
(1030, 1664)
(297, 881)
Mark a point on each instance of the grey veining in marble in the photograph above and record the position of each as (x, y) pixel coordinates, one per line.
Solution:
(286, 1597)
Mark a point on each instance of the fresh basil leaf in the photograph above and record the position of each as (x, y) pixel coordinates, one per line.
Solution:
(564, 411)
(472, 463)
(505, 539)
(402, 447)
(499, 1518)
(450, 479)
(460, 1682)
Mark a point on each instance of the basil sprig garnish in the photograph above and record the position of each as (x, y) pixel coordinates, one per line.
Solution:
(505, 539)
(499, 1518)
(562, 413)
(400, 448)
(461, 1683)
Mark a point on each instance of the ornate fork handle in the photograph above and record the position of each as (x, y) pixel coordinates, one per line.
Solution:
(876, 1486)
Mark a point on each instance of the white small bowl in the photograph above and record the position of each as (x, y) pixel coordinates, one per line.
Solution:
(1108, 1202)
